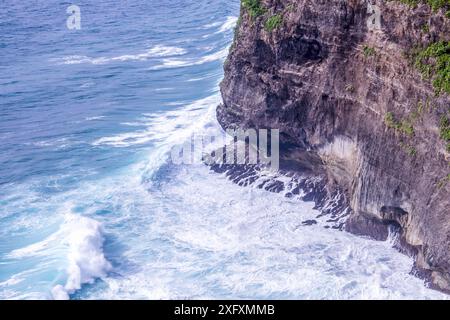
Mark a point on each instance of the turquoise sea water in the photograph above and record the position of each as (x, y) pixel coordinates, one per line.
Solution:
(92, 208)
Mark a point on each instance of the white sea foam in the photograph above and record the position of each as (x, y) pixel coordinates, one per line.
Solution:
(161, 127)
(94, 118)
(58, 143)
(86, 260)
(75, 247)
(197, 79)
(211, 25)
(155, 52)
(185, 232)
(207, 238)
(192, 233)
(35, 249)
(132, 124)
(12, 281)
(229, 24)
(225, 242)
(180, 63)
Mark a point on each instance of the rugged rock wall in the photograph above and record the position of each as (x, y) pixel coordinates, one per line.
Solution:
(352, 96)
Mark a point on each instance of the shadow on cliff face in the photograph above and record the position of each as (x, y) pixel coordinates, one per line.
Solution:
(302, 47)
(324, 77)
(263, 57)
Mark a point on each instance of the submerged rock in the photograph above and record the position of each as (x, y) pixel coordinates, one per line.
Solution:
(309, 222)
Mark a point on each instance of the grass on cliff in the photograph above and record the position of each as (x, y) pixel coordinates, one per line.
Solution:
(403, 126)
(273, 22)
(434, 4)
(368, 51)
(443, 181)
(409, 149)
(434, 63)
(444, 130)
(253, 7)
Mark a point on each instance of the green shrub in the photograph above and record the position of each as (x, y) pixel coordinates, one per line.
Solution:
(434, 63)
(389, 120)
(444, 128)
(253, 7)
(290, 8)
(236, 32)
(412, 151)
(368, 51)
(349, 88)
(273, 22)
(409, 149)
(434, 4)
(443, 181)
(426, 28)
(404, 126)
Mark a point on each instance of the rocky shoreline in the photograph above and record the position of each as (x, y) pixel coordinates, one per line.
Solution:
(354, 114)
(334, 207)
(332, 204)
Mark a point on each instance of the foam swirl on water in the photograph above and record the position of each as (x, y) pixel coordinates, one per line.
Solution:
(86, 260)
(114, 213)
(157, 51)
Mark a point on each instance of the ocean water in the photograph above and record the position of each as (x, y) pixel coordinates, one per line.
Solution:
(92, 208)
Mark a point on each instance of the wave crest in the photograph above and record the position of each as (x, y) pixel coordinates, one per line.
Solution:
(86, 259)
(157, 51)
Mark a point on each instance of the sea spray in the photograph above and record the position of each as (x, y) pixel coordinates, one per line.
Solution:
(86, 260)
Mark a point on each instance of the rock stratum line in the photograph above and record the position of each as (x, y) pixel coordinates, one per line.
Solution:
(354, 110)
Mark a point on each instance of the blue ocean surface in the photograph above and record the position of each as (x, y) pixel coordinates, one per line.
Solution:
(92, 208)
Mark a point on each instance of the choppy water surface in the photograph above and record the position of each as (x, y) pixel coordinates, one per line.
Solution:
(90, 206)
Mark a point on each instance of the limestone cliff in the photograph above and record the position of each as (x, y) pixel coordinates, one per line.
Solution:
(371, 103)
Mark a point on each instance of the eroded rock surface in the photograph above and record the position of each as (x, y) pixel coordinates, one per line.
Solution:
(328, 83)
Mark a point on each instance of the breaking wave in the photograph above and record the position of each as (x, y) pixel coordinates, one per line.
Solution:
(155, 52)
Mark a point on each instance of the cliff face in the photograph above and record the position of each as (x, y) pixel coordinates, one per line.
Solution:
(350, 95)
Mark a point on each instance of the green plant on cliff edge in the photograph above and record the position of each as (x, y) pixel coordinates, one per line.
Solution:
(409, 149)
(444, 130)
(434, 4)
(368, 51)
(434, 62)
(273, 22)
(404, 126)
(426, 28)
(253, 7)
(236, 32)
(443, 181)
